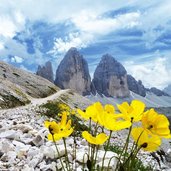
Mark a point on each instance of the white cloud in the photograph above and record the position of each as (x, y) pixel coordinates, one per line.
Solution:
(11, 23)
(90, 27)
(153, 73)
(155, 22)
(57, 10)
(7, 28)
(20, 51)
(72, 40)
(88, 21)
(17, 59)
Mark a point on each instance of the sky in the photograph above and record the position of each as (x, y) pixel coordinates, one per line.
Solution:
(136, 33)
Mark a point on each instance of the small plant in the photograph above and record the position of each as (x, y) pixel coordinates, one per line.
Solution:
(102, 122)
(53, 109)
(138, 165)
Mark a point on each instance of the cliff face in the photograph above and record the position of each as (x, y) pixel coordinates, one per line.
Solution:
(110, 78)
(136, 86)
(73, 73)
(46, 71)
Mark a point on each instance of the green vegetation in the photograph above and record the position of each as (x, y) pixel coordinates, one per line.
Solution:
(54, 110)
(10, 101)
(138, 165)
(19, 92)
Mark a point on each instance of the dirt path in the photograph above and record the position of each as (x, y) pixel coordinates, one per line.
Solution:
(37, 101)
(41, 101)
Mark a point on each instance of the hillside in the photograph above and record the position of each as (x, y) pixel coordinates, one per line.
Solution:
(17, 86)
(151, 100)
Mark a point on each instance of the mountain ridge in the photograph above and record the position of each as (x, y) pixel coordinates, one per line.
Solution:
(18, 86)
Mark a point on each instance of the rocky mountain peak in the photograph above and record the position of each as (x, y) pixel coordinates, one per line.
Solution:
(73, 73)
(110, 78)
(109, 63)
(158, 92)
(46, 71)
(136, 86)
(168, 89)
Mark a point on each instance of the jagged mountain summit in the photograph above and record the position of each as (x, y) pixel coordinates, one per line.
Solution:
(73, 73)
(17, 86)
(46, 71)
(136, 86)
(157, 92)
(168, 89)
(110, 78)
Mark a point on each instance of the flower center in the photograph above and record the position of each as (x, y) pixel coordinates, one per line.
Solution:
(144, 145)
(50, 129)
(150, 127)
(132, 118)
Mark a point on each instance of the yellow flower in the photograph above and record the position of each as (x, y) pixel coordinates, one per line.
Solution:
(113, 122)
(91, 111)
(59, 130)
(52, 126)
(105, 116)
(156, 123)
(132, 112)
(64, 107)
(98, 140)
(67, 112)
(148, 142)
(117, 125)
(109, 108)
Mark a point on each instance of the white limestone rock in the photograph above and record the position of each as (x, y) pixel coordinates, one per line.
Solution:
(10, 134)
(6, 145)
(109, 165)
(81, 156)
(38, 140)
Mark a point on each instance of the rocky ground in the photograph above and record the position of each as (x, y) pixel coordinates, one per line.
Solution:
(24, 146)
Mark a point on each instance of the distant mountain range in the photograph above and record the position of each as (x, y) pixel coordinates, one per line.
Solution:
(168, 89)
(19, 87)
(110, 77)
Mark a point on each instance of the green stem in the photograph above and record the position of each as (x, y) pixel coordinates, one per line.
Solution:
(89, 152)
(106, 150)
(94, 146)
(96, 128)
(127, 143)
(90, 125)
(97, 148)
(84, 161)
(109, 163)
(66, 155)
(124, 150)
(58, 153)
(133, 158)
(134, 151)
